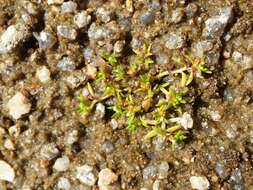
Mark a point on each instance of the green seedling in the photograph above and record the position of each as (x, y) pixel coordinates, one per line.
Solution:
(110, 58)
(118, 72)
(85, 106)
(179, 137)
(118, 111)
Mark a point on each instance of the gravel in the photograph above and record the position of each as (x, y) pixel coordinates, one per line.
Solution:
(107, 147)
(147, 18)
(12, 37)
(49, 151)
(86, 175)
(149, 172)
(174, 40)
(177, 15)
(185, 121)
(236, 180)
(103, 14)
(106, 177)
(18, 105)
(67, 32)
(163, 170)
(43, 74)
(96, 32)
(7, 172)
(66, 64)
(46, 40)
(214, 26)
(199, 182)
(63, 184)
(62, 164)
(68, 7)
(82, 19)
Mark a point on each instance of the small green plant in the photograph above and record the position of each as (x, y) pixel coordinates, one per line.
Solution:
(110, 58)
(142, 59)
(119, 72)
(85, 106)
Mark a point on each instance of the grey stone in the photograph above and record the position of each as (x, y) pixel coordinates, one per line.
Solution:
(236, 180)
(49, 151)
(88, 54)
(66, 64)
(221, 170)
(191, 10)
(12, 37)
(107, 147)
(147, 18)
(96, 32)
(46, 40)
(214, 26)
(200, 48)
(174, 40)
(66, 32)
(149, 172)
(177, 15)
(163, 170)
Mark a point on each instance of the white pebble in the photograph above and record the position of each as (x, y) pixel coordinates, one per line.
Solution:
(85, 175)
(61, 164)
(82, 19)
(68, 7)
(18, 105)
(106, 177)
(7, 173)
(199, 182)
(185, 121)
(63, 183)
(66, 32)
(8, 144)
(50, 2)
(43, 74)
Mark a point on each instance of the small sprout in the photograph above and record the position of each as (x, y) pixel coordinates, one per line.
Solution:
(145, 80)
(142, 60)
(118, 111)
(101, 75)
(133, 123)
(85, 106)
(178, 138)
(119, 72)
(110, 58)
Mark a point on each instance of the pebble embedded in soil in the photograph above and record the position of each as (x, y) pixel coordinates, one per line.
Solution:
(214, 26)
(43, 74)
(62, 164)
(86, 175)
(18, 105)
(147, 18)
(66, 64)
(67, 32)
(82, 19)
(12, 37)
(68, 7)
(149, 172)
(63, 184)
(46, 40)
(174, 40)
(199, 182)
(7, 172)
(106, 177)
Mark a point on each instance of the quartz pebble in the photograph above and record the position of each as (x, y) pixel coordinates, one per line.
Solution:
(185, 121)
(106, 177)
(49, 151)
(82, 19)
(149, 172)
(7, 173)
(174, 40)
(86, 175)
(63, 184)
(50, 2)
(68, 7)
(46, 40)
(103, 14)
(199, 182)
(66, 64)
(18, 105)
(43, 74)
(147, 18)
(12, 37)
(61, 164)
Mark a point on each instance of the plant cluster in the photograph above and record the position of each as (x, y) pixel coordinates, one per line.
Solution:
(144, 97)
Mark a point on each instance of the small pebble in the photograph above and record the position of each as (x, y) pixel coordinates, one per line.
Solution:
(82, 19)
(7, 173)
(199, 182)
(66, 64)
(185, 121)
(18, 105)
(46, 40)
(103, 14)
(49, 151)
(50, 2)
(147, 18)
(149, 172)
(107, 147)
(63, 184)
(68, 7)
(43, 74)
(66, 32)
(61, 164)
(106, 177)
(177, 15)
(85, 175)
(175, 40)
